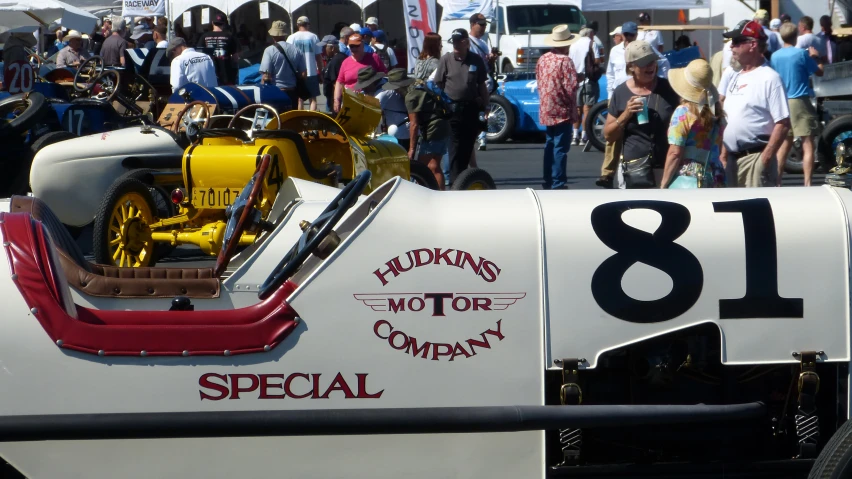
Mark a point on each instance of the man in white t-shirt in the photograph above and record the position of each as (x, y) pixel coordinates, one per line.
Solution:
(652, 37)
(306, 42)
(587, 91)
(479, 45)
(189, 66)
(757, 111)
(808, 39)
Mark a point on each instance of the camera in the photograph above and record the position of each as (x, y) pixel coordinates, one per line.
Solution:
(496, 51)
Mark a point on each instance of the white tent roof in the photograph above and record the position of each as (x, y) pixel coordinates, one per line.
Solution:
(229, 6)
(22, 13)
(611, 5)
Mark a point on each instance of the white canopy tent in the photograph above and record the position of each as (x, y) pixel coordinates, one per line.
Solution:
(24, 13)
(229, 6)
(612, 5)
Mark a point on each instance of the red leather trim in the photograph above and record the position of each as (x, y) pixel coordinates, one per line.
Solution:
(128, 333)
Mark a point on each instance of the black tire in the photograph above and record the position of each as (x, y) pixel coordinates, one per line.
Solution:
(507, 67)
(502, 118)
(36, 109)
(122, 186)
(596, 137)
(422, 175)
(794, 164)
(838, 129)
(163, 202)
(473, 179)
(835, 460)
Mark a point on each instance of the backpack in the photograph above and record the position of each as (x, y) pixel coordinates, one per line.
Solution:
(593, 68)
(444, 106)
(384, 55)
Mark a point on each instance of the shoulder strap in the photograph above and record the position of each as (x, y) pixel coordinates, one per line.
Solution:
(286, 58)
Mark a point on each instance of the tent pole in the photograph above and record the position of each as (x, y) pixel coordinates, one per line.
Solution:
(710, 22)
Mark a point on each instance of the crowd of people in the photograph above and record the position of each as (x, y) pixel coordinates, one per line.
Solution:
(728, 122)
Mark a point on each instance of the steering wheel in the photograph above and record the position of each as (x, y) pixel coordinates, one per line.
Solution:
(35, 61)
(255, 107)
(314, 234)
(110, 83)
(239, 214)
(189, 123)
(88, 72)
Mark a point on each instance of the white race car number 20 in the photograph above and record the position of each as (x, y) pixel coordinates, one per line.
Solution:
(659, 251)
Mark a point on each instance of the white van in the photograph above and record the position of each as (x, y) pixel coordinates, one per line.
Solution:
(523, 25)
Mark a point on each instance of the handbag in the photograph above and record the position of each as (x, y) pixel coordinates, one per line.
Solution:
(683, 182)
(638, 173)
(302, 90)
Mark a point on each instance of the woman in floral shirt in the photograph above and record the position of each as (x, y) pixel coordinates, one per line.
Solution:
(695, 132)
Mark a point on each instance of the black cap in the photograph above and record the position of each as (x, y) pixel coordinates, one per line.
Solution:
(478, 18)
(593, 25)
(644, 17)
(220, 19)
(457, 35)
(785, 18)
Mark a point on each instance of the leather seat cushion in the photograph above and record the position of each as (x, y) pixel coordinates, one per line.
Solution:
(110, 281)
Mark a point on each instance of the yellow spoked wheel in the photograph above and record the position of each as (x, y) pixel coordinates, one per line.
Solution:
(474, 179)
(122, 236)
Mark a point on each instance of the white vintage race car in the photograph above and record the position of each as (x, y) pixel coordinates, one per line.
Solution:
(495, 334)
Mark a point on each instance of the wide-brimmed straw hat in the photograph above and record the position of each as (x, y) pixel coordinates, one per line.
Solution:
(397, 78)
(279, 29)
(561, 36)
(694, 83)
(367, 76)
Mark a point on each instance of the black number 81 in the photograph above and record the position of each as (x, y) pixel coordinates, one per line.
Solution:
(659, 250)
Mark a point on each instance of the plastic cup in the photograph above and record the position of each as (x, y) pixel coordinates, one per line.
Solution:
(642, 116)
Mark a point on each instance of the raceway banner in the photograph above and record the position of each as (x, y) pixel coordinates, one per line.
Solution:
(463, 9)
(420, 18)
(143, 8)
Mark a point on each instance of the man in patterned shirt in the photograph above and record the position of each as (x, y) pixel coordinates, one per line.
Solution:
(557, 90)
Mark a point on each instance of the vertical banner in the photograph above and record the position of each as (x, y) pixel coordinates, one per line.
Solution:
(420, 18)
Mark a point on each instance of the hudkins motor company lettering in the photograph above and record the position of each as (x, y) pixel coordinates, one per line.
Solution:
(417, 258)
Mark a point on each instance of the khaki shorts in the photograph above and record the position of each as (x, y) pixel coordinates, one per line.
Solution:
(803, 117)
(749, 172)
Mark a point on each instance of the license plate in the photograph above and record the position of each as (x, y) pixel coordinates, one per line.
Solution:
(216, 198)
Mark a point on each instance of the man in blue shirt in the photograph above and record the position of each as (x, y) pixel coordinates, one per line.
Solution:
(795, 67)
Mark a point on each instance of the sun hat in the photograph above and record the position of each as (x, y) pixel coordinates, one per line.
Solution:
(640, 53)
(694, 83)
(372, 21)
(139, 31)
(279, 28)
(72, 35)
(397, 78)
(617, 31)
(366, 77)
(561, 36)
(630, 28)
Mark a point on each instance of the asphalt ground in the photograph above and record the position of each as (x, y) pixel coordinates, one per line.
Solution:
(519, 164)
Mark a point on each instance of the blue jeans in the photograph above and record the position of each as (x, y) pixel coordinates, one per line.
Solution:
(556, 148)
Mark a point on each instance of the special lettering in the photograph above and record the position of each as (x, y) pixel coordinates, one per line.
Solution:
(215, 387)
(419, 348)
(417, 258)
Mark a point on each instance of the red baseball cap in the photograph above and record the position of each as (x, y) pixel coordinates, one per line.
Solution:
(746, 29)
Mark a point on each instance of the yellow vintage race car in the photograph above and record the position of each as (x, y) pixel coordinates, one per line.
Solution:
(228, 168)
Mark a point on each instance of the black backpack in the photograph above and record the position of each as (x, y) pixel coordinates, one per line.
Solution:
(593, 68)
(384, 55)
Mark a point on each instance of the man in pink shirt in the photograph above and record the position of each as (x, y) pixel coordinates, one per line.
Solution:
(348, 75)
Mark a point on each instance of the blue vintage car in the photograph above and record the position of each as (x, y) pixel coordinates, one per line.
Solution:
(514, 106)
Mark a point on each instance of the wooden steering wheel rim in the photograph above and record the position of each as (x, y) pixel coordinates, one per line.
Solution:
(176, 124)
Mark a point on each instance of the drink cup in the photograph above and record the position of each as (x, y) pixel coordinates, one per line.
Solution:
(642, 116)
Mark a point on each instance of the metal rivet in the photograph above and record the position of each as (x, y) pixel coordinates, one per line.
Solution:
(227, 352)
(14, 277)
(143, 353)
(59, 342)
(297, 320)
(267, 348)
(237, 287)
(100, 352)
(6, 243)
(34, 310)
(185, 352)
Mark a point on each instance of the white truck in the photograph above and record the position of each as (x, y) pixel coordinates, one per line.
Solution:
(522, 26)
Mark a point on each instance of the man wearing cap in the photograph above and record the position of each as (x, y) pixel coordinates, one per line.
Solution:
(223, 47)
(112, 51)
(372, 23)
(616, 74)
(557, 86)
(392, 99)
(385, 53)
(189, 65)
(652, 37)
(774, 40)
(306, 42)
(348, 75)
(756, 105)
(142, 36)
(367, 36)
(588, 91)
(617, 36)
(332, 67)
(74, 54)
(795, 67)
(462, 74)
(282, 62)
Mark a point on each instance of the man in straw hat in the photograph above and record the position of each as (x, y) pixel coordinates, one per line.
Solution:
(74, 54)
(795, 66)
(557, 85)
(758, 115)
(695, 130)
(282, 63)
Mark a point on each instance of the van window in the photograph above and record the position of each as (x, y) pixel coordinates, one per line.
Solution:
(542, 18)
(498, 23)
